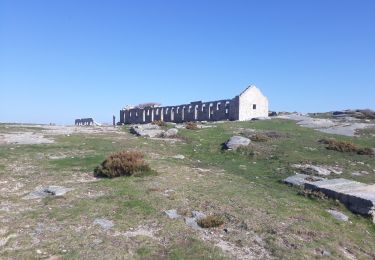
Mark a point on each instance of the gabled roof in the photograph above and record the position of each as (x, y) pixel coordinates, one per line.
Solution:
(249, 87)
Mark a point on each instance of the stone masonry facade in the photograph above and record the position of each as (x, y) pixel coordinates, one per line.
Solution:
(251, 103)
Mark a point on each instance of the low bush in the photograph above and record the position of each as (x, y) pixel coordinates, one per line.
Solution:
(259, 137)
(345, 146)
(340, 146)
(210, 221)
(160, 123)
(123, 163)
(192, 126)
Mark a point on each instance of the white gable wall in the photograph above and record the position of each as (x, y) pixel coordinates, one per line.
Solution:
(250, 97)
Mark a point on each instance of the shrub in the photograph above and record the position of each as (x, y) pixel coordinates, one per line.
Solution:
(340, 146)
(259, 137)
(210, 221)
(192, 126)
(160, 123)
(123, 163)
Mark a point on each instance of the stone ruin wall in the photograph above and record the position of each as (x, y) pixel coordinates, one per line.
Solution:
(226, 109)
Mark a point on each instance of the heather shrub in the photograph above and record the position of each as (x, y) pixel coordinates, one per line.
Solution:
(191, 126)
(210, 221)
(160, 123)
(345, 146)
(340, 146)
(259, 137)
(123, 163)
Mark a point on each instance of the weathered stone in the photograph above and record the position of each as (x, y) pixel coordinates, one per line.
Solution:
(172, 213)
(170, 133)
(192, 222)
(237, 141)
(104, 223)
(147, 130)
(301, 179)
(198, 215)
(42, 192)
(373, 151)
(338, 215)
(356, 196)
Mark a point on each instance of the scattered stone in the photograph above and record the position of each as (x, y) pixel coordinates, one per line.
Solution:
(171, 133)
(301, 179)
(237, 141)
(179, 156)
(172, 213)
(42, 192)
(326, 253)
(104, 223)
(338, 215)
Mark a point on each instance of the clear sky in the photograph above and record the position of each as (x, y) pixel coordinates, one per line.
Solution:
(61, 60)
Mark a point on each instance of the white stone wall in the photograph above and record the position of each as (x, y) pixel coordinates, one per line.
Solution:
(250, 97)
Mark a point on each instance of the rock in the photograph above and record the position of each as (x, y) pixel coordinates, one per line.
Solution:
(42, 192)
(338, 215)
(373, 151)
(104, 223)
(147, 130)
(356, 196)
(237, 141)
(198, 215)
(326, 253)
(179, 156)
(301, 179)
(192, 222)
(170, 133)
(172, 213)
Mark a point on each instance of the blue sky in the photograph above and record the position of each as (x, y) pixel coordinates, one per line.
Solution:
(61, 60)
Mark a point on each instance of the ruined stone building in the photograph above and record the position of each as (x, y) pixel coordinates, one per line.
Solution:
(251, 103)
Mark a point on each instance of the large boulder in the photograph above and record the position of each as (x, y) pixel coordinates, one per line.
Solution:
(237, 141)
(147, 130)
(170, 133)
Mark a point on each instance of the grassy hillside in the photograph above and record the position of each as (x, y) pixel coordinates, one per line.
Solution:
(263, 217)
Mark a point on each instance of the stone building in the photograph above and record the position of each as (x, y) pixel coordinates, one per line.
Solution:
(251, 103)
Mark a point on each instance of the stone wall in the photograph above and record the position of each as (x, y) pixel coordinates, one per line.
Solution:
(195, 111)
(227, 109)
